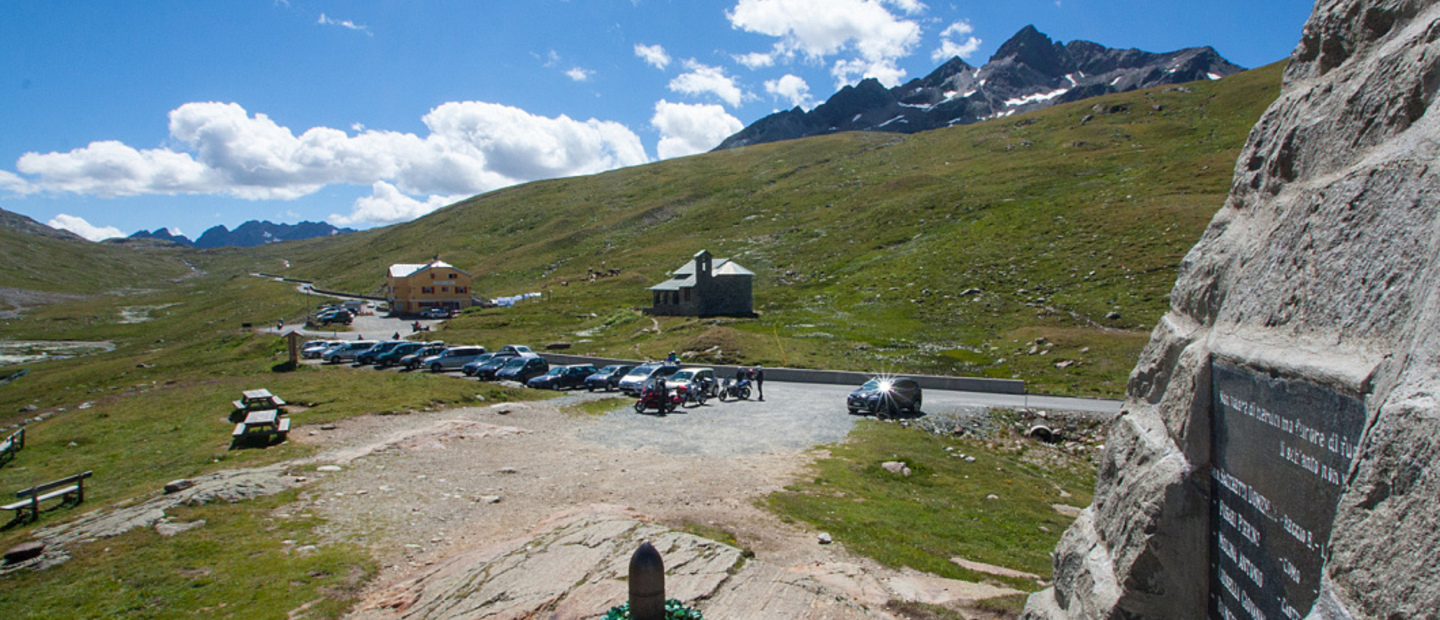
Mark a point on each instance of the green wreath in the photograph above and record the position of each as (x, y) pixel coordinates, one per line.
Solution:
(673, 611)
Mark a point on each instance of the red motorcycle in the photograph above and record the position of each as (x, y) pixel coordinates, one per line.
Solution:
(656, 396)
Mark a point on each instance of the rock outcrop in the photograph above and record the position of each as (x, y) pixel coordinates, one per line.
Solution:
(574, 565)
(1322, 270)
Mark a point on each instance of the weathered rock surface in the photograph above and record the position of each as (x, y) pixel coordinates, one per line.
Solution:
(1322, 267)
(574, 565)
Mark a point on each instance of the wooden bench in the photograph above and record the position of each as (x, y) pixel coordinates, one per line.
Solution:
(65, 488)
(11, 445)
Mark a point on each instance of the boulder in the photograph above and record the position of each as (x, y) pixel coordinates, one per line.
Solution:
(24, 551)
(1317, 278)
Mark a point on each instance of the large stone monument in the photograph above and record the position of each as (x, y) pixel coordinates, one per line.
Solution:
(1274, 457)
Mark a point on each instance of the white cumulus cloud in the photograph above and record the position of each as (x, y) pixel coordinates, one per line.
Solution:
(700, 79)
(79, 226)
(579, 74)
(871, 38)
(792, 88)
(755, 60)
(950, 46)
(386, 204)
(687, 129)
(471, 147)
(653, 55)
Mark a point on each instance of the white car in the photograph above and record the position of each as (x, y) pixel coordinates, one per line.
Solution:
(315, 348)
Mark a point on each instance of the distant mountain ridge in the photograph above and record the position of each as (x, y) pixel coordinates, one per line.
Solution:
(1028, 72)
(247, 235)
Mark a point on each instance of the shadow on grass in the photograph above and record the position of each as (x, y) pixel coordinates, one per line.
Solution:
(285, 366)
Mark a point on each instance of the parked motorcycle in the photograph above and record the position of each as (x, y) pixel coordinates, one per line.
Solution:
(688, 396)
(734, 389)
(656, 396)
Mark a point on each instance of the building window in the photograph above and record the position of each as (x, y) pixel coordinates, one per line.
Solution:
(432, 275)
(444, 289)
(427, 290)
(452, 276)
(461, 290)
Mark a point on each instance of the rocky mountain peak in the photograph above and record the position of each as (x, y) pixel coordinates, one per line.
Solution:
(1032, 48)
(1029, 72)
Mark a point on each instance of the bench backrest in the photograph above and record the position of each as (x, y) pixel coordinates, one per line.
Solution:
(36, 490)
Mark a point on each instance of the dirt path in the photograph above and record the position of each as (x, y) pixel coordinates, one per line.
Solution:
(464, 478)
(427, 492)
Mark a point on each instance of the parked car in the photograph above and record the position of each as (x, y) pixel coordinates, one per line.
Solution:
(522, 369)
(435, 313)
(688, 379)
(884, 396)
(368, 356)
(347, 352)
(562, 377)
(334, 316)
(515, 350)
(470, 368)
(394, 355)
(607, 378)
(630, 383)
(315, 348)
(412, 361)
(487, 370)
(452, 358)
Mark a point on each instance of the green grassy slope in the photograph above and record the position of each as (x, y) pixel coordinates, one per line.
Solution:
(869, 247)
(56, 265)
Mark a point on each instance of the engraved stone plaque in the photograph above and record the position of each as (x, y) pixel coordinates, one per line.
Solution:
(1281, 451)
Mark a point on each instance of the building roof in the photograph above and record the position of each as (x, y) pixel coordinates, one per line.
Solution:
(404, 270)
(684, 276)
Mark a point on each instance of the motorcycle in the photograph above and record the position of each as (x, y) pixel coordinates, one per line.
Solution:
(657, 397)
(697, 396)
(735, 389)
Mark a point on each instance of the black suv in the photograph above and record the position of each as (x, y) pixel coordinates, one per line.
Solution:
(522, 369)
(884, 396)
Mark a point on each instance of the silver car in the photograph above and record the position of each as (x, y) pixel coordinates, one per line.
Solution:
(347, 352)
(452, 359)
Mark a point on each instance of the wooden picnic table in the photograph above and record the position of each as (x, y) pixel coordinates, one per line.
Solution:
(258, 399)
(264, 421)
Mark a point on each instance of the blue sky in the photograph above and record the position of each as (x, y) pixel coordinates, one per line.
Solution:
(121, 116)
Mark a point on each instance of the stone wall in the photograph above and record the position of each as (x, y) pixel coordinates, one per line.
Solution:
(1321, 268)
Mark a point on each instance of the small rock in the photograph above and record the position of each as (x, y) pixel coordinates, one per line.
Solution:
(327, 427)
(488, 499)
(992, 496)
(176, 486)
(1084, 350)
(1062, 365)
(171, 529)
(893, 467)
(306, 550)
(329, 468)
(1113, 316)
(28, 408)
(24, 551)
(86, 405)
(825, 538)
(969, 459)
(508, 470)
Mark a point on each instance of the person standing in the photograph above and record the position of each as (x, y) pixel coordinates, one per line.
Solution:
(759, 374)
